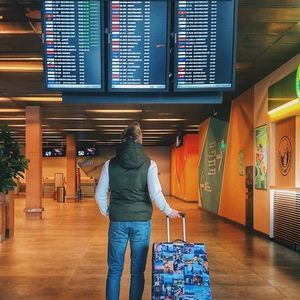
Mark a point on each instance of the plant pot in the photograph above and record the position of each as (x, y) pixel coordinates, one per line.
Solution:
(2, 217)
(10, 214)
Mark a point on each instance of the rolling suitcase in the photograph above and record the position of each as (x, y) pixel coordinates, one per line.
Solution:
(180, 269)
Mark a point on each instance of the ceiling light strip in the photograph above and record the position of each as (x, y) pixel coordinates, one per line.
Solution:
(114, 110)
(11, 110)
(112, 119)
(164, 120)
(37, 99)
(67, 119)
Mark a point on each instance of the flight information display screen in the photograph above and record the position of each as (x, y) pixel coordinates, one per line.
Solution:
(51, 152)
(138, 45)
(204, 45)
(72, 37)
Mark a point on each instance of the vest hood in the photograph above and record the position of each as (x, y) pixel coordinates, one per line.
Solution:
(131, 155)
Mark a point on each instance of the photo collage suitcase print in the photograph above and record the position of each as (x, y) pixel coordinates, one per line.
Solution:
(180, 272)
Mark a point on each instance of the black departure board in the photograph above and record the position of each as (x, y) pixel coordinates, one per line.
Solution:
(138, 45)
(72, 36)
(204, 45)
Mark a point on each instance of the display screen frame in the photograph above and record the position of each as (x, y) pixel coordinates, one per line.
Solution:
(110, 89)
(233, 57)
(169, 94)
(77, 87)
(82, 151)
(51, 150)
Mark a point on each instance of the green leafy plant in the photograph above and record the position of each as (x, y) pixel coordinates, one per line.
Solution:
(12, 162)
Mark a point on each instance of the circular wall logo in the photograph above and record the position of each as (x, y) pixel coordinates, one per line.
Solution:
(285, 155)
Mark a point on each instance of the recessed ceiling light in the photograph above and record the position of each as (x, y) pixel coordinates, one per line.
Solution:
(159, 130)
(52, 142)
(111, 130)
(192, 126)
(5, 99)
(114, 140)
(112, 119)
(38, 99)
(16, 125)
(162, 120)
(67, 118)
(79, 129)
(12, 118)
(20, 67)
(112, 126)
(158, 133)
(20, 58)
(11, 110)
(87, 140)
(114, 110)
(50, 132)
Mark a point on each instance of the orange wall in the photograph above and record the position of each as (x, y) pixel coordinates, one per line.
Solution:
(177, 172)
(185, 160)
(240, 138)
(184, 171)
(190, 175)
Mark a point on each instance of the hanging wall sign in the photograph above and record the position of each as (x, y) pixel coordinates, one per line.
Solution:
(284, 155)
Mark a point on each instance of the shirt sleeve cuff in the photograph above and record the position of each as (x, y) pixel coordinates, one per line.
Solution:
(168, 211)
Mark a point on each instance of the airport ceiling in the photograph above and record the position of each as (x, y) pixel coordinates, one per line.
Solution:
(268, 35)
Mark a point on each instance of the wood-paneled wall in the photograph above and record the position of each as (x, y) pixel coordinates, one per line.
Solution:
(184, 171)
(285, 131)
(240, 138)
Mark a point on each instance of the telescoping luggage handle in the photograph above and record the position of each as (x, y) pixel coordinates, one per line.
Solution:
(182, 214)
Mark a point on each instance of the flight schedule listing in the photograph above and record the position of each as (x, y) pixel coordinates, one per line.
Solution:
(204, 45)
(138, 45)
(72, 43)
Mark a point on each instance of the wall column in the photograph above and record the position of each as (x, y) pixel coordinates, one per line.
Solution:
(71, 167)
(297, 152)
(33, 203)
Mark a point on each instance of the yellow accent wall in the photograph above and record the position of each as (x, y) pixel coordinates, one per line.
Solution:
(240, 138)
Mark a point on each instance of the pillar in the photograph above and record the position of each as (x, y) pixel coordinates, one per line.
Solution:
(33, 202)
(71, 167)
(297, 153)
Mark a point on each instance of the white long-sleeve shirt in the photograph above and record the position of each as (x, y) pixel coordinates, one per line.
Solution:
(154, 189)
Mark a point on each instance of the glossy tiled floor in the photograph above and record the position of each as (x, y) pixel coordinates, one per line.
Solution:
(63, 256)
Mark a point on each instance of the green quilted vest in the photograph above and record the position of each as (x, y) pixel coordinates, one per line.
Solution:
(129, 196)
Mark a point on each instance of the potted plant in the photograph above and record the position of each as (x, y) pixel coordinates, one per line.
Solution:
(12, 165)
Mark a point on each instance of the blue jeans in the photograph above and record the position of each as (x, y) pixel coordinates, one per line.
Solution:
(138, 233)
